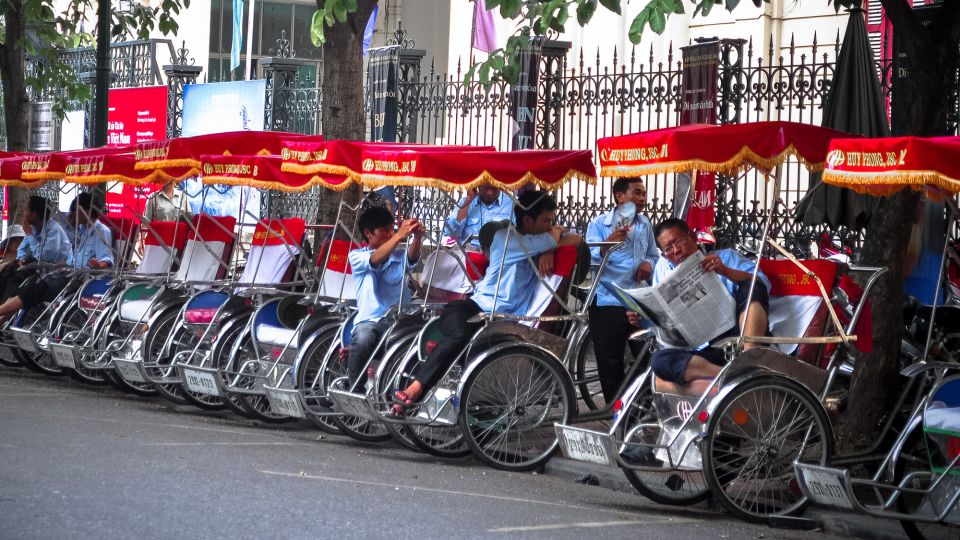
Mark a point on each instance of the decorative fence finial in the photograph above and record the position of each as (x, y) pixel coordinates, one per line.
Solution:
(283, 49)
(181, 58)
(400, 37)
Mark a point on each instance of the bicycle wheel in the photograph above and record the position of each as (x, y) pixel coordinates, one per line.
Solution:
(313, 395)
(115, 332)
(185, 340)
(509, 406)
(160, 359)
(221, 353)
(361, 429)
(40, 362)
(244, 372)
(676, 488)
(74, 322)
(386, 383)
(587, 375)
(756, 433)
(915, 457)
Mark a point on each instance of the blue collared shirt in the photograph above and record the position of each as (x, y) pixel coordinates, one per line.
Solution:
(378, 287)
(622, 265)
(518, 280)
(50, 245)
(477, 215)
(93, 242)
(729, 257)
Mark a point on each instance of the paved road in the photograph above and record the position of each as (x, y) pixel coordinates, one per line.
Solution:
(84, 462)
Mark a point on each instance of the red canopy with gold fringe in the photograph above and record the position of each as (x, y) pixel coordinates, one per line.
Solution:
(11, 172)
(345, 157)
(186, 151)
(547, 169)
(119, 168)
(722, 149)
(53, 166)
(882, 166)
(263, 172)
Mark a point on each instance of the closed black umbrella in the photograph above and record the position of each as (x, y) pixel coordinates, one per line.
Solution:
(855, 105)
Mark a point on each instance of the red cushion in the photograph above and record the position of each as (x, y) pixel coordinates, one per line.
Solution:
(200, 315)
(91, 302)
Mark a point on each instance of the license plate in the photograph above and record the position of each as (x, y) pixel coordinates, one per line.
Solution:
(825, 487)
(63, 355)
(201, 382)
(285, 403)
(583, 445)
(129, 371)
(352, 405)
(24, 340)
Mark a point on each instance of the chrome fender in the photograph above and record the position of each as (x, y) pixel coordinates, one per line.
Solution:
(897, 449)
(480, 358)
(324, 329)
(630, 395)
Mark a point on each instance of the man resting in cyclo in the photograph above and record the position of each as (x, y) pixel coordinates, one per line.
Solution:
(535, 234)
(695, 369)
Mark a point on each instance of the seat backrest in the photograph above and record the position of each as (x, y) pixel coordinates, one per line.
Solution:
(125, 231)
(337, 276)
(208, 250)
(162, 242)
(275, 245)
(444, 272)
(543, 302)
(797, 308)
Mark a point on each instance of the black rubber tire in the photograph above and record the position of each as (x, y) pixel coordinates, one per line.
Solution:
(38, 362)
(183, 340)
(722, 471)
(152, 347)
(385, 387)
(221, 357)
(74, 321)
(481, 419)
(113, 376)
(356, 428)
(310, 384)
(258, 405)
(674, 488)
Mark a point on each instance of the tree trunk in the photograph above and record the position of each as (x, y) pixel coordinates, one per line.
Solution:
(15, 104)
(343, 112)
(934, 60)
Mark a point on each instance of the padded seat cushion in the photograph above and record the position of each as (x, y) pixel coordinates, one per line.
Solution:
(276, 335)
(135, 310)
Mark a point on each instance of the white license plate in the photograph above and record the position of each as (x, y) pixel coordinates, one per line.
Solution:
(352, 405)
(825, 487)
(63, 355)
(129, 371)
(285, 403)
(588, 446)
(201, 382)
(24, 341)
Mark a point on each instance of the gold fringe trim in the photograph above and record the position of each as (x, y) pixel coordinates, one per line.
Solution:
(278, 186)
(22, 184)
(744, 159)
(374, 181)
(45, 176)
(150, 165)
(316, 168)
(886, 183)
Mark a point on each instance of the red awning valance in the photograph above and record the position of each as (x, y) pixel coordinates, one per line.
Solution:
(720, 149)
(119, 168)
(882, 166)
(186, 151)
(263, 172)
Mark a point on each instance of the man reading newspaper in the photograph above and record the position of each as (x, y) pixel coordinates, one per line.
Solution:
(698, 309)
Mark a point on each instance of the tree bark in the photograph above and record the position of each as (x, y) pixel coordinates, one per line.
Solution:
(934, 59)
(343, 112)
(15, 103)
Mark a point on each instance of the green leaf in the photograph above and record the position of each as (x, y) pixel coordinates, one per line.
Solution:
(497, 61)
(328, 15)
(638, 24)
(468, 78)
(510, 9)
(339, 11)
(658, 21)
(351, 5)
(316, 29)
(585, 11)
(612, 5)
(678, 6)
(730, 4)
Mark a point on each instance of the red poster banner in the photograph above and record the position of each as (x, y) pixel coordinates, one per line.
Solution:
(135, 115)
(701, 72)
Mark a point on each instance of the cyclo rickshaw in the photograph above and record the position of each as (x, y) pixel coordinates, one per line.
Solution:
(37, 331)
(770, 405)
(459, 415)
(275, 359)
(918, 479)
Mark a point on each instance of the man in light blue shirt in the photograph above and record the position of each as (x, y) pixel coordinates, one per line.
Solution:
(535, 235)
(482, 205)
(378, 271)
(698, 367)
(629, 266)
(46, 243)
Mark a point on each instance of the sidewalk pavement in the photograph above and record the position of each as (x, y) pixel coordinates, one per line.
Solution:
(832, 522)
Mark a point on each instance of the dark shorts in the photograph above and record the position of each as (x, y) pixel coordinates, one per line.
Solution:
(671, 364)
(44, 288)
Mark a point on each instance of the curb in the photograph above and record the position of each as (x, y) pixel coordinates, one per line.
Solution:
(836, 523)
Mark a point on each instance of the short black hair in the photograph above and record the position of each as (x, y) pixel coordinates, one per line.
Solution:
(671, 223)
(38, 205)
(533, 203)
(85, 201)
(620, 185)
(373, 218)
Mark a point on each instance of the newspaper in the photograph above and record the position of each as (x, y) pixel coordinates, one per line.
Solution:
(689, 308)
